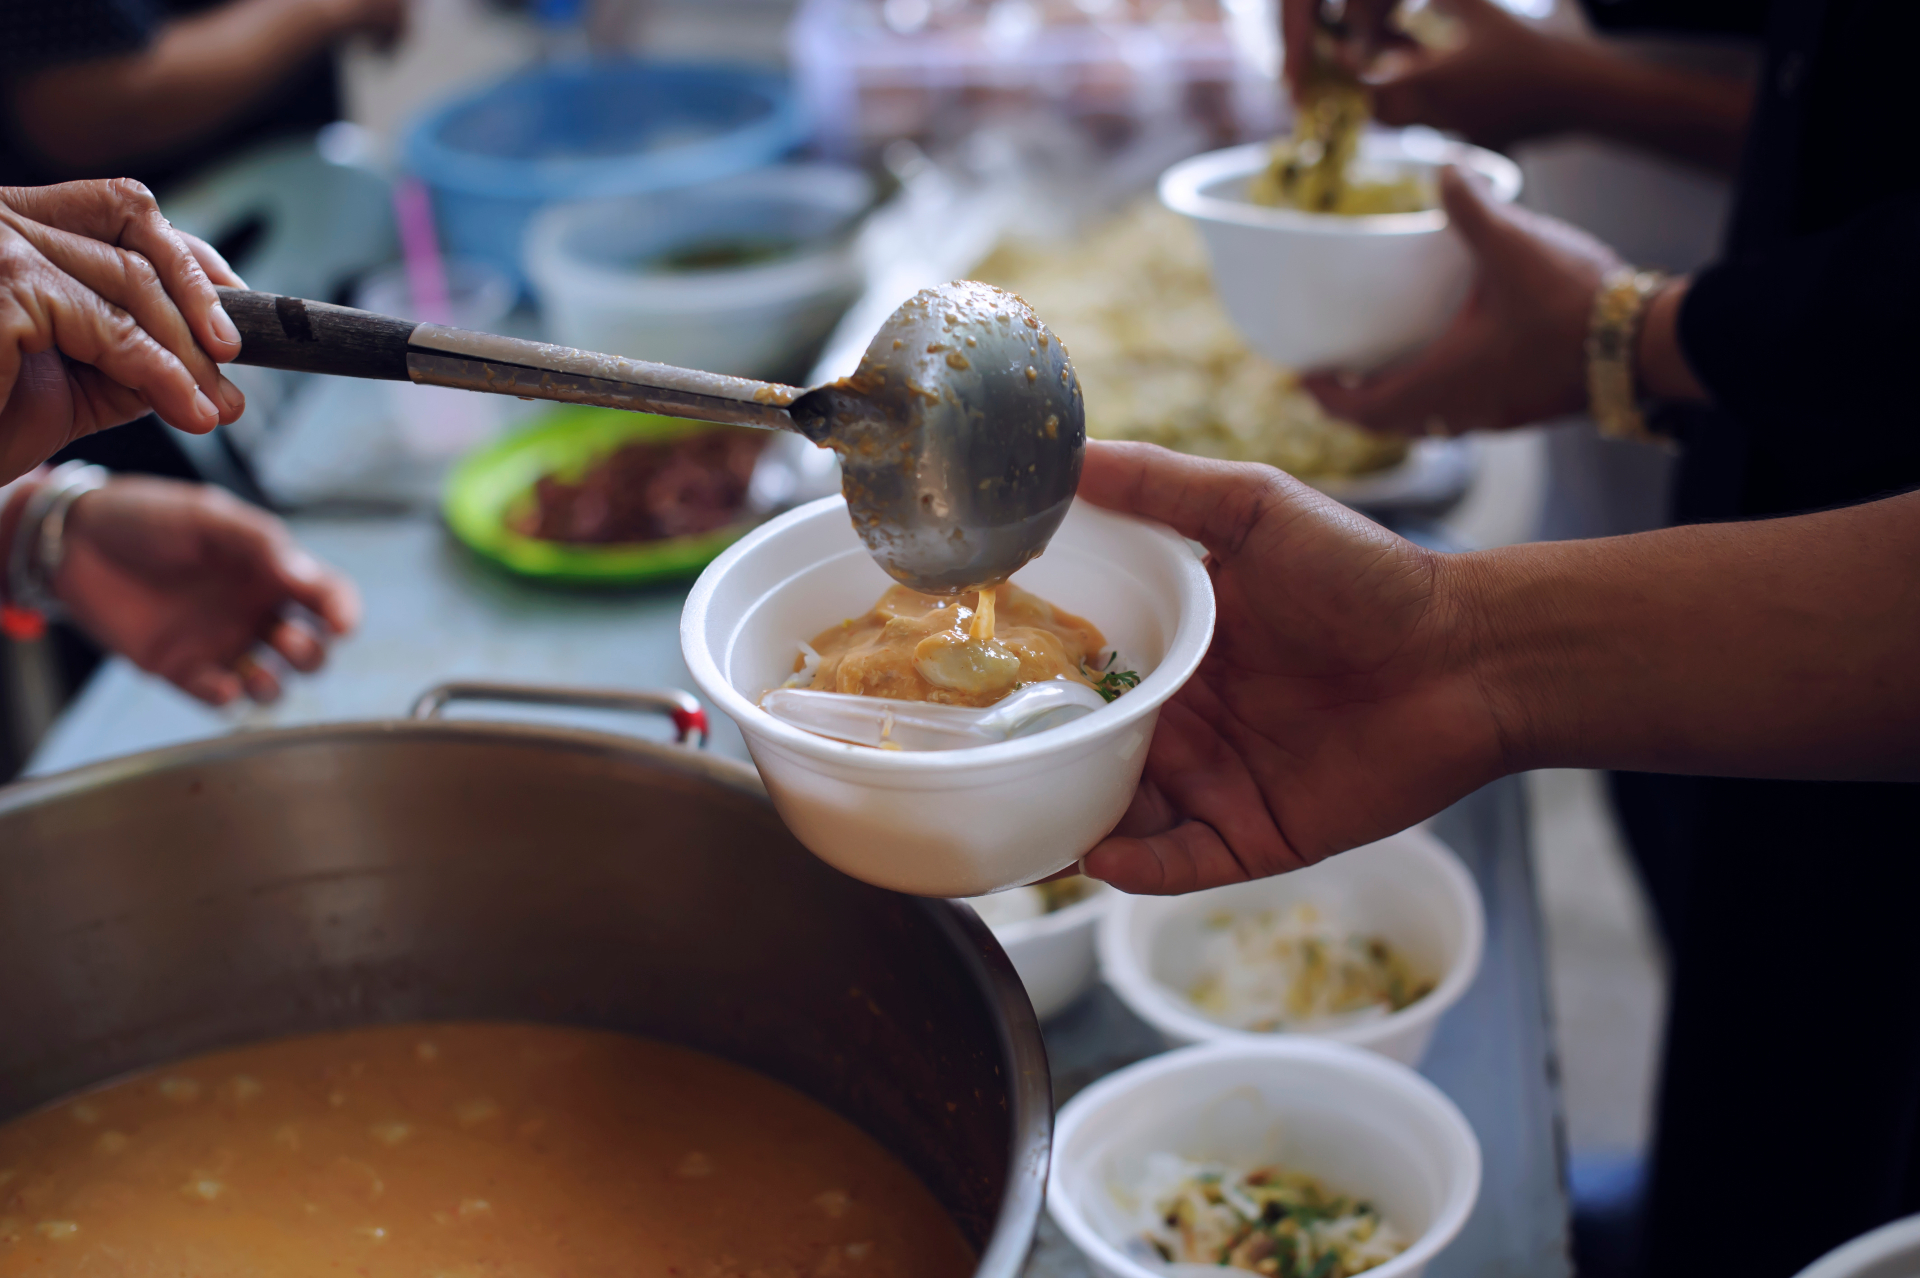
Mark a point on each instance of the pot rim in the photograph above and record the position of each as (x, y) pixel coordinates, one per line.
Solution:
(1029, 1080)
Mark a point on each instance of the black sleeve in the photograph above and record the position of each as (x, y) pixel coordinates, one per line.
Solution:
(1686, 17)
(43, 33)
(1811, 343)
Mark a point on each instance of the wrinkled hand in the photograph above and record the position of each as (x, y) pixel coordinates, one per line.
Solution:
(106, 313)
(185, 580)
(1516, 352)
(1330, 710)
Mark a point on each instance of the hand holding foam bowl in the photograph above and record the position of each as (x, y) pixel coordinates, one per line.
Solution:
(962, 822)
(1313, 290)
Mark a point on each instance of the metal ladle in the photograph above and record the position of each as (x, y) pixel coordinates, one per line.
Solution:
(960, 436)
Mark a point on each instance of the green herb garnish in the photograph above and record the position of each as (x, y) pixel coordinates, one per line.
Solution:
(1107, 681)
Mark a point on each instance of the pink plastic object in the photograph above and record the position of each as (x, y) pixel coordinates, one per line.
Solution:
(420, 248)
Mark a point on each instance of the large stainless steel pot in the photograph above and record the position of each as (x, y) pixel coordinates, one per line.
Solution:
(278, 882)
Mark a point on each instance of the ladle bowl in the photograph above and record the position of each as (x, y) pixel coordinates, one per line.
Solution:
(960, 438)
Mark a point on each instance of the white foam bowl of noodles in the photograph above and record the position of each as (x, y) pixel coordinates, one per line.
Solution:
(953, 822)
(1409, 889)
(1314, 290)
(1364, 1126)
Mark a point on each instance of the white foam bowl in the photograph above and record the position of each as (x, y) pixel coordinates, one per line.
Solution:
(1364, 1125)
(1314, 290)
(1054, 953)
(1409, 889)
(1891, 1251)
(951, 822)
(753, 321)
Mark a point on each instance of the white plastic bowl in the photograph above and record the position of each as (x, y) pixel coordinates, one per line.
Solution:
(1364, 1125)
(1891, 1251)
(752, 321)
(1054, 953)
(1408, 888)
(1314, 290)
(954, 822)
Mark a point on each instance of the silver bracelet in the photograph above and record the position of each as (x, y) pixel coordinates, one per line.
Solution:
(39, 539)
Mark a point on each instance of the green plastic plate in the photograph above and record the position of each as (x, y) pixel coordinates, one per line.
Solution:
(486, 486)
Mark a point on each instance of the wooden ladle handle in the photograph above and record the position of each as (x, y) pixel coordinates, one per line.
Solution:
(315, 337)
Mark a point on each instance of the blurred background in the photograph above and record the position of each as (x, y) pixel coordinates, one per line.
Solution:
(749, 186)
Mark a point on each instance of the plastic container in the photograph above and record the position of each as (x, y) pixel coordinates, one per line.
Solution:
(1314, 290)
(1364, 1125)
(1409, 888)
(1891, 1251)
(584, 130)
(952, 822)
(591, 267)
(1054, 953)
(870, 71)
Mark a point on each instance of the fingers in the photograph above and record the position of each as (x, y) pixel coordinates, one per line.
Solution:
(1420, 395)
(1199, 818)
(148, 233)
(122, 212)
(307, 601)
(327, 594)
(1403, 89)
(1297, 22)
(216, 268)
(299, 646)
(250, 543)
(211, 684)
(132, 282)
(261, 683)
(1432, 391)
(1472, 211)
(1187, 858)
(1215, 503)
(43, 307)
(220, 686)
(109, 238)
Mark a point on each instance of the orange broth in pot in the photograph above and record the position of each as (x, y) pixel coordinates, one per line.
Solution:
(471, 1150)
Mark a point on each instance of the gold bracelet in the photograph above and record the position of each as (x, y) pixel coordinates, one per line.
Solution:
(1613, 332)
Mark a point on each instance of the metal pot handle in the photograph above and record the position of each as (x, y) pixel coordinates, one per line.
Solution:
(688, 718)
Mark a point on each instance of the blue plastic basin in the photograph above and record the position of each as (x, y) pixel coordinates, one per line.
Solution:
(591, 129)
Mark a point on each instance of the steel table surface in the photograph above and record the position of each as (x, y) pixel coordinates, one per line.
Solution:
(434, 614)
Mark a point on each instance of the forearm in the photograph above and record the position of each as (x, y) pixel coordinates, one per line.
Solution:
(1689, 115)
(199, 73)
(1782, 648)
